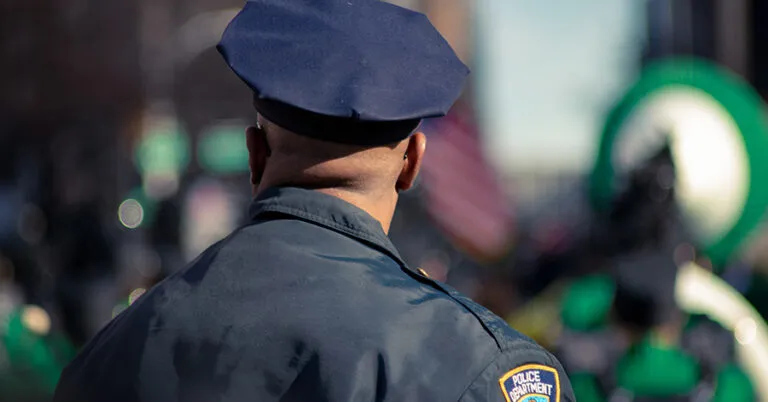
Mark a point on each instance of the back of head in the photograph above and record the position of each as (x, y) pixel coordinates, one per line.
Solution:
(307, 162)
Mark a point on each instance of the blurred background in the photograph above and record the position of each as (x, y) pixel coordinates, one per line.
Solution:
(601, 184)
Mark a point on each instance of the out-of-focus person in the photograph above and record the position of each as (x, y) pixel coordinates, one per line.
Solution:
(625, 338)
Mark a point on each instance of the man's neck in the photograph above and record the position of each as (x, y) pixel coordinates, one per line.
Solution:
(379, 204)
(381, 208)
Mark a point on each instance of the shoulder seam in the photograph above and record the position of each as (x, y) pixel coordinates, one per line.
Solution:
(499, 353)
(483, 323)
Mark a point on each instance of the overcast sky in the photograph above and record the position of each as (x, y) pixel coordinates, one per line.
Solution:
(546, 70)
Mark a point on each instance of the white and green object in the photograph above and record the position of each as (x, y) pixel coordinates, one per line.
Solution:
(715, 124)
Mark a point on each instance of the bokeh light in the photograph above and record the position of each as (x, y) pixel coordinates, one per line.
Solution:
(131, 213)
(746, 331)
(135, 294)
(36, 320)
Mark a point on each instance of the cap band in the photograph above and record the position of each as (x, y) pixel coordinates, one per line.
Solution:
(334, 129)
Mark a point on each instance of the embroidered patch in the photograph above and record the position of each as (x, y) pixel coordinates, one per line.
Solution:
(531, 383)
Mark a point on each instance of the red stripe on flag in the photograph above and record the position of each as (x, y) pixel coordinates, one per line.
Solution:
(462, 190)
(464, 175)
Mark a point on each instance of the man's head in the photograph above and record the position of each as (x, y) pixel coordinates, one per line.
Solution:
(340, 87)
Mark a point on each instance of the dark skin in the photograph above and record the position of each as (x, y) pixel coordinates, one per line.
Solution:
(370, 178)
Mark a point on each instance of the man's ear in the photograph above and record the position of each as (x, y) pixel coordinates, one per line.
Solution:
(414, 154)
(258, 152)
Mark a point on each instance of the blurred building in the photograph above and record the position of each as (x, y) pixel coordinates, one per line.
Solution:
(69, 71)
(71, 91)
(730, 32)
(63, 57)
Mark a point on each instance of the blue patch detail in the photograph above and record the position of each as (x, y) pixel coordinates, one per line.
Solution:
(535, 399)
(531, 383)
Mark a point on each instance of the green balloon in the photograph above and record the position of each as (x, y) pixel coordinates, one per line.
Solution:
(733, 385)
(658, 371)
(586, 387)
(587, 303)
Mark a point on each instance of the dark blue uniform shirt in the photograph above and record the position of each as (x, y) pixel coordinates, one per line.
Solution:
(309, 302)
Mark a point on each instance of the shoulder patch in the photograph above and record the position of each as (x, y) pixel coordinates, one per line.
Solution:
(531, 383)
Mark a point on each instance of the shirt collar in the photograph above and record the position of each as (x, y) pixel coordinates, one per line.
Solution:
(327, 211)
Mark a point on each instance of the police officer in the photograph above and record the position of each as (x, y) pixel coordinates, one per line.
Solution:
(311, 301)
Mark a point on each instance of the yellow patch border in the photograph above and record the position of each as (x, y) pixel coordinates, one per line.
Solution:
(517, 370)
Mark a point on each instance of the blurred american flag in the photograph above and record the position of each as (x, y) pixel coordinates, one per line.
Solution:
(462, 191)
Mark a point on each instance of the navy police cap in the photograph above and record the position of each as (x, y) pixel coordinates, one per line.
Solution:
(353, 71)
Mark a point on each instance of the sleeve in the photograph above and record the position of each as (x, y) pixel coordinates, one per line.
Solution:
(526, 373)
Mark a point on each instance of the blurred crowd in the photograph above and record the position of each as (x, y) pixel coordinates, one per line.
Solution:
(92, 215)
(599, 290)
